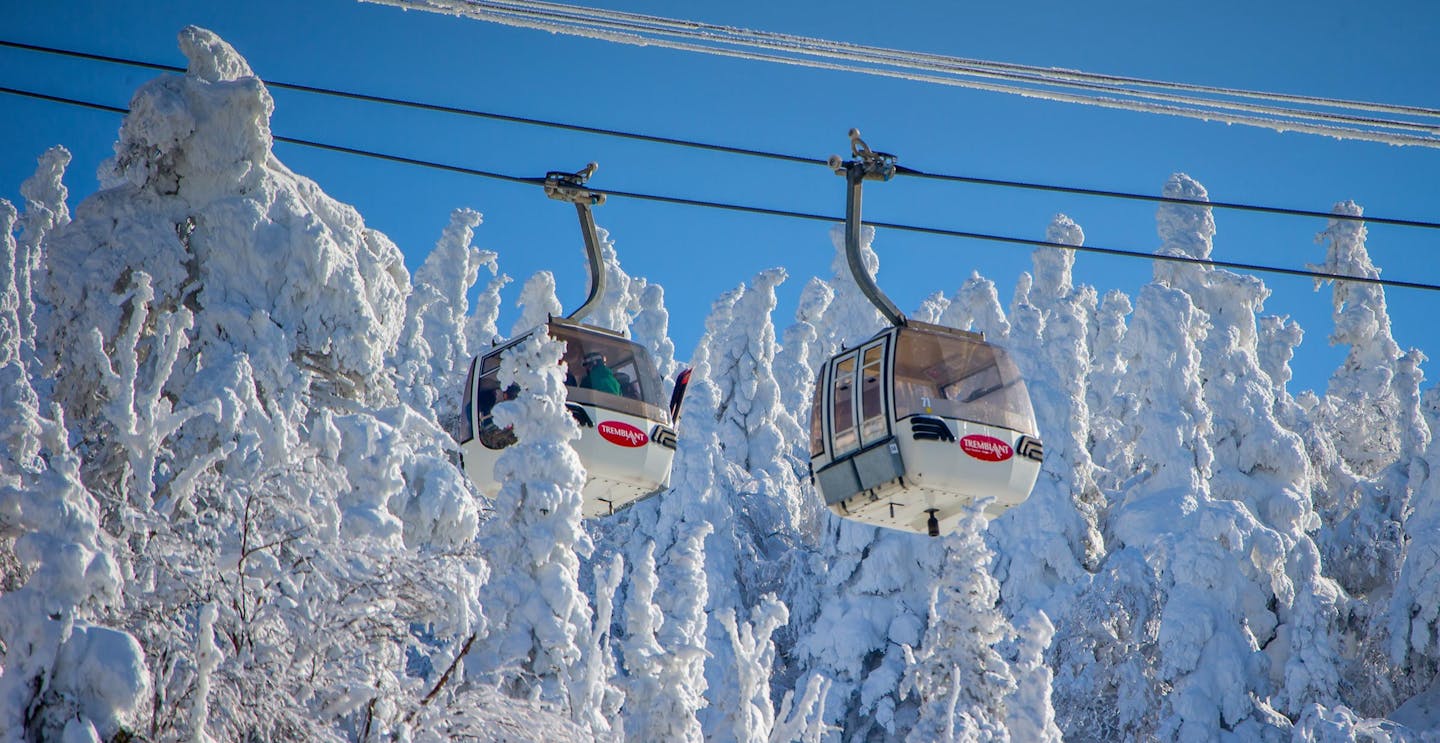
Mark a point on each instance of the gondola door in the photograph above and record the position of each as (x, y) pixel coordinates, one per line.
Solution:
(871, 400)
(843, 437)
(862, 451)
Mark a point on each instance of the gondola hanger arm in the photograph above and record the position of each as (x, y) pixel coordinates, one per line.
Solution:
(866, 165)
(564, 186)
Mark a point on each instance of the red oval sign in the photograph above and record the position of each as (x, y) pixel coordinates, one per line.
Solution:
(622, 434)
(986, 448)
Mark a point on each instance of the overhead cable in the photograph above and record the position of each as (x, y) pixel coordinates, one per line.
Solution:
(736, 150)
(784, 43)
(1060, 73)
(683, 201)
(793, 50)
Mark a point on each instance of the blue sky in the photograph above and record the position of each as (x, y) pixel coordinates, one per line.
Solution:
(1381, 51)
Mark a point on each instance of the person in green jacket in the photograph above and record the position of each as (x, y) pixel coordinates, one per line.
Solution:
(598, 376)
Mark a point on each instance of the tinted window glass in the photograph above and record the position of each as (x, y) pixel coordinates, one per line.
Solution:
(960, 377)
(817, 421)
(872, 391)
(843, 410)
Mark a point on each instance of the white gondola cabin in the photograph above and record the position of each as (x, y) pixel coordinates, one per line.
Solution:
(911, 426)
(626, 440)
(627, 435)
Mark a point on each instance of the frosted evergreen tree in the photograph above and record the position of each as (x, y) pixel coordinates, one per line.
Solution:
(931, 308)
(1359, 449)
(594, 695)
(651, 329)
(665, 682)
(870, 607)
(1414, 611)
(481, 327)
(859, 587)
(1026, 321)
(1257, 462)
(436, 315)
(664, 650)
(1055, 532)
(957, 674)
(1377, 539)
(1279, 337)
(797, 362)
(753, 422)
(646, 715)
(1111, 405)
(18, 434)
(65, 673)
(751, 715)
(537, 303)
(680, 520)
(976, 307)
(538, 617)
(1029, 712)
(240, 422)
(45, 211)
(1106, 683)
(1361, 407)
(750, 482)
(1218, 565)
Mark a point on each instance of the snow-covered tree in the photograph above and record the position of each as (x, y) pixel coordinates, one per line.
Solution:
(1361, 410)
(66, 674)
(1218, 565)
(1111, 404)
(957, 673)
(482, 325)
(857, 599)
(651, 328)
(433, 372)
(1029, 712)
(1414, 611)
(752, 717)
(537, 302)
(1055, 533)
(538, 617)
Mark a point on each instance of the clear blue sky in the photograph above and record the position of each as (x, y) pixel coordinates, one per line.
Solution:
(1378, 51)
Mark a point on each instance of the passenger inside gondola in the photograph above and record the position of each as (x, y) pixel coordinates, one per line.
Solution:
(612, 371)
(492, 435)
(598, 375)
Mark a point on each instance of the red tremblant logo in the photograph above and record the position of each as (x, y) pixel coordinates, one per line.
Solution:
(986, 448)
(622, 434)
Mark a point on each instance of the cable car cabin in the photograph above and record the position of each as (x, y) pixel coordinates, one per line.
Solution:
(626, 440)
(912, 425)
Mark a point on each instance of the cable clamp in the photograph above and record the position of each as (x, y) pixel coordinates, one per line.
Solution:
(570, 187)
(867, 164)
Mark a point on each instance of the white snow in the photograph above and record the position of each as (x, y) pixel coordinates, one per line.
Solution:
(230, 508)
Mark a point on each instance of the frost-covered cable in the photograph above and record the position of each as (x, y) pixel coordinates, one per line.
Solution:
(1049, 72)
(607, 29)
(936, 63)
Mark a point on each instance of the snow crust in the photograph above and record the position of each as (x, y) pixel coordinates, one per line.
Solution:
(231, 506)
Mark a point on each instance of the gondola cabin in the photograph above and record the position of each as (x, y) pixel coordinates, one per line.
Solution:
(627, 439)
(911, 426)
